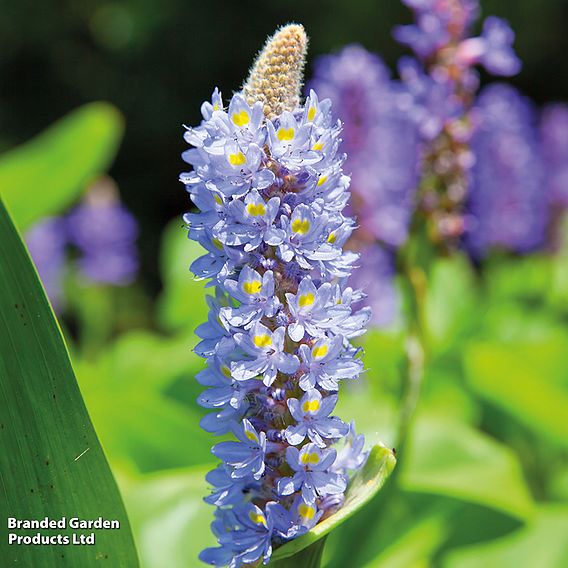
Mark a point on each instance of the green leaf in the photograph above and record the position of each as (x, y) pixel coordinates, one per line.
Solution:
(527, 380)
(452, 305)
(136, 419)
(449, 458)
(45, 175)
(364, 486)
(518, 278)
(182, 304)
(170, 520)
(542, 543)
(417, 545)
(51, 463)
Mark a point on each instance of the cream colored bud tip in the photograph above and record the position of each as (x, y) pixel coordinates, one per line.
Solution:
(276, 77)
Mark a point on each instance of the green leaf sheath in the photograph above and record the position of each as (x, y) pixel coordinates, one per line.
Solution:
(45, 175)
(51, 462)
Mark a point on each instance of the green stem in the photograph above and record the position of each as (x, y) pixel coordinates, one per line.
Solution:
(411, 389)
(416, 343)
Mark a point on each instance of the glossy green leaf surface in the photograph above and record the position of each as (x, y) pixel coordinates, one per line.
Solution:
(450, 458)
(45, 175)
(51, 463)
(362, 489)
(529, 381)
(540, 544)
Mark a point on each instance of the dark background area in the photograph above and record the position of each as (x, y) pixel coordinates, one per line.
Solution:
(158, 60)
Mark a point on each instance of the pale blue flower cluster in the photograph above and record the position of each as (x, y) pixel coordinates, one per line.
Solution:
(270, 195)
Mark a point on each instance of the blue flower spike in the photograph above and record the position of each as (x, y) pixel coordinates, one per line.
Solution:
(268, 184)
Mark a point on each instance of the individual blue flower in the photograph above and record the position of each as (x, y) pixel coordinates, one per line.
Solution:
(353, 455)
(246, 457)
(311, 414)
(305, 515)
(226, 489)
(308, 307)
(311, 465)
(250, 222)
(256, 295)
(269, 354)
(304, 240)
(324, 364)
(215, 337)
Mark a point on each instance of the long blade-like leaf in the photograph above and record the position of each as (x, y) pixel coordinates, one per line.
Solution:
(51, 463)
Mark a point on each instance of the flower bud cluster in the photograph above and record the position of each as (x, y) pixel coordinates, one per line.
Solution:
(270, 194)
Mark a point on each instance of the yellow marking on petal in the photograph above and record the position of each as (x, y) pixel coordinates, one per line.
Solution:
(251, 436)
(318, 146)
(322, 180)
(257, 518)
(256, 210)
(217, 244)
(217, 199)
(311, 113)
(311, 406)
(312, 458)
(252, 287)
(332, 237)
(226, 371)
(306, 300)
(285, 134)
(262, 340)
(237, 159)
(319, 352)
(241, 118)
(216, 106)
(306, 511)
(301, 227)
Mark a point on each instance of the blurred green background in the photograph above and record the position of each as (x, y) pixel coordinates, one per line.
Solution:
(484, 480)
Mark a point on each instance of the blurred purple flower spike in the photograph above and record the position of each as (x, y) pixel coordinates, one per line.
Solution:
(508, 196)
(554, 139)
(105, 233)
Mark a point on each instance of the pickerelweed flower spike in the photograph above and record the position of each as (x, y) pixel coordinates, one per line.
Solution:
(268, 183)
(443, 83)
